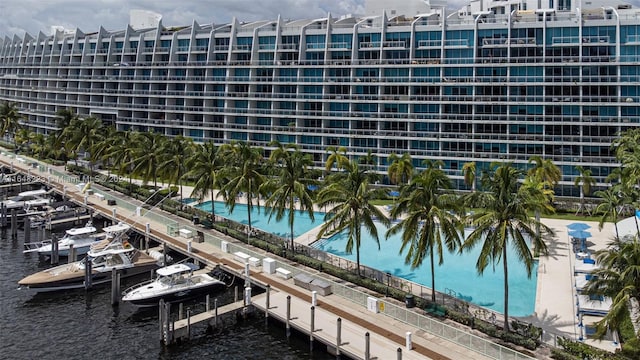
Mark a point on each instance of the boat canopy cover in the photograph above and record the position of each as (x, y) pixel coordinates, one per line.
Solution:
(81, 231)
(116, 228)
(39, 192)
(176, 269)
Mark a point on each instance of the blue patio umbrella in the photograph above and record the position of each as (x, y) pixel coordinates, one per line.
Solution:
(578, 226)
(579, 234)
(394, 193)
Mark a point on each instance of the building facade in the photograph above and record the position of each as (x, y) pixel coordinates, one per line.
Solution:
(496, 80)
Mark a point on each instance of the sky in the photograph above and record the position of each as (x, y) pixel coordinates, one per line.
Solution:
(32, 16)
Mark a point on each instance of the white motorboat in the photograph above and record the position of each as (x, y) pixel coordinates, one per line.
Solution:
(113, 253)
(175, 282)
(27, 198)
(55, 211)
(81, 238)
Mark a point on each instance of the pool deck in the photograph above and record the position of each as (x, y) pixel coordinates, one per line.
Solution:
(555, 309)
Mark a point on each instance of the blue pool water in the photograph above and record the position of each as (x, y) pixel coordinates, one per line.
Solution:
(457, 274)
(260, 219)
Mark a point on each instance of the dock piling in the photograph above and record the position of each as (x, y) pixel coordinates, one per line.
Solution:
(180, 311)
(367, 346)
(408, 344)
(288, 323)
(87, 272)
(207, 303)
(338, 336)
(27, 229)
(14, 224)
(399, 357)
(215, 307)
(235, 294)
(115, 287)
(72, 254)
(55, 250)
(247, 296)
(312, 326)
(161, 320)
(147, 233)
(189, 323)
(314, 298)
(247, 280)
(266, 307)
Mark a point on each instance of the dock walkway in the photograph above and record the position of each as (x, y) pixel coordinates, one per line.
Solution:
(387, 333)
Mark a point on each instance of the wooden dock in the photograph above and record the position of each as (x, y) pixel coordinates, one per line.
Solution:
(325, 327)
(182, 328)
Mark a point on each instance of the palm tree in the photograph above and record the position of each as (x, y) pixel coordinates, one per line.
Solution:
(502, 221)
(369, 160)
(469, 172)
(337, 157)
(175, 152)
(544, 175)
(9, 119)
(585, 181)
(610, 206)
(122, 152)
(289, 184)
(429, 223)
(22, 137)
(243, 174)
(400, 168)
(349, 195)
(84, 136)
(38, 146)
(617, 277)
(205, 165)
(147, 155)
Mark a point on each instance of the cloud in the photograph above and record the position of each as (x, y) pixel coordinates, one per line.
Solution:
(32, 16)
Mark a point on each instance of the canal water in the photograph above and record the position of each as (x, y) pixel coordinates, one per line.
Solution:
(83, 324)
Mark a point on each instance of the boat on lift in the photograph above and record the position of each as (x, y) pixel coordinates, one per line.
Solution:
(175, 282)
(113, 253)
(81, 238)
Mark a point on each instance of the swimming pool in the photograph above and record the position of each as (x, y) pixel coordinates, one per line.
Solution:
(457, 274)
(260, 219)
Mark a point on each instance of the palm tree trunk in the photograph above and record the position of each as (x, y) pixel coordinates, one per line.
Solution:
(213, 208)
(506, 289)
(358, 247)
(291, 217)
(433, 277)
(249, 216)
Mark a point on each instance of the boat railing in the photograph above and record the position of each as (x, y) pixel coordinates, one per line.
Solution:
(35, 246)
(137, 286)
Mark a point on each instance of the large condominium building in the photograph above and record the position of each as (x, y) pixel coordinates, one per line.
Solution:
(495, 80)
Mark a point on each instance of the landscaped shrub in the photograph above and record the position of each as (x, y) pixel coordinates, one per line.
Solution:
(584, 351)
(461, 318)
(559, 354)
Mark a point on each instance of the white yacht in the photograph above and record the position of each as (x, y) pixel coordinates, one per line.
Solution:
(81, 238)
(113, 253)
(173, 283)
